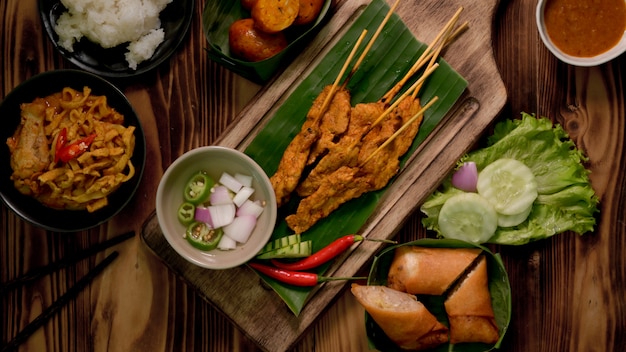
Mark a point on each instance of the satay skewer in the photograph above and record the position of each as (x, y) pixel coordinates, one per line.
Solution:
(411, 89)
(333, 88)
(319, 149)
(294, 158)
(437, 51)
(415, 117)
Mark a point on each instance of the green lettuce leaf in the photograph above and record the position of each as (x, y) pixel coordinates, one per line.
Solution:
(566, 200)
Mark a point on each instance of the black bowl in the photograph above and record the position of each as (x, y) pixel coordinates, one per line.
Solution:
(29, 208)
(175, 21)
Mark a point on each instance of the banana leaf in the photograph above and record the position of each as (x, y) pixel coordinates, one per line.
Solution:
(391, 56)
(499, 288)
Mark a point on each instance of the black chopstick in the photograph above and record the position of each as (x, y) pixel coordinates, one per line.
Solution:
(58, 304)
(62, 263)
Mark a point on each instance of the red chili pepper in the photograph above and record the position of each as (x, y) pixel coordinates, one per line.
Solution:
(75, 148)
(61, 140)
(322, 256)
(295, 278)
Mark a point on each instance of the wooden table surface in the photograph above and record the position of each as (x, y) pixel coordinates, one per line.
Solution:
(569, 292)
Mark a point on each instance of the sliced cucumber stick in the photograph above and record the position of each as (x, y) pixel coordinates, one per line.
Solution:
(281, 242)
(296, 250)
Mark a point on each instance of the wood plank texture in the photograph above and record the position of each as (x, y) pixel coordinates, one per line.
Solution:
(569, 291)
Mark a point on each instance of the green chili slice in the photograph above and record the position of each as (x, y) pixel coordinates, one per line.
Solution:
(198, 188)
(202, 236)
(186, 213)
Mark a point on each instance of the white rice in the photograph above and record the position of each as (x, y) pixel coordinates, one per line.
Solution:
(113, 22)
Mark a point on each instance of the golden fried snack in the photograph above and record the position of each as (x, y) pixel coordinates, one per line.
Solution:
(71, 150)
(469, 309)
(273, 16)
(309, 11)
(404, 319)
(250, 44)
(430, 271)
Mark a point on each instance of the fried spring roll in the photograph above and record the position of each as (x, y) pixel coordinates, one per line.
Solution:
(469, 308)
(404, 319)
(428, 271)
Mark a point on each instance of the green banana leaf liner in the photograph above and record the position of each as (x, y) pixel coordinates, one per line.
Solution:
(217, 17)
(391, 56)
(499, 287)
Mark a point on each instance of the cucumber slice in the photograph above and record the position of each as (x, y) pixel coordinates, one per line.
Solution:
(468, 217)
(515, 219)
(296, 250)
(509, 185)
(281, 242)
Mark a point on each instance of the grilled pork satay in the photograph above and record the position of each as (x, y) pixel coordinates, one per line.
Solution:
(348, 182)
(295, 157)
(343, 152)
(334, 123)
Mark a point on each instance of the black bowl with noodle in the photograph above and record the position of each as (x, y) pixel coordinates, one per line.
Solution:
(29, 208)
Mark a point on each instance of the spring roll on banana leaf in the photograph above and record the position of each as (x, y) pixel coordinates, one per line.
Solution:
(404, 319)
(469, 308)
(428, 271)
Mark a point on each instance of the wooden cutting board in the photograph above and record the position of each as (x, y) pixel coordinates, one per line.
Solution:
(237, 293)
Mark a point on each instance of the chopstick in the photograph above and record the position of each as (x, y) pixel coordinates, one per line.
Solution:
(58, 304)
(62, 263)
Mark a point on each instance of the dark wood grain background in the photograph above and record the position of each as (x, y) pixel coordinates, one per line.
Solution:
(569, 291)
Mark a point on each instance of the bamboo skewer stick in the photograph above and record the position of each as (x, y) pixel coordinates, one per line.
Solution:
(400, 130)
(333, 88)
(439, 48)
(441, 40)
(372, 41)
(413, 88)
(432, 54)
(395, 104)
(361, 58)
(444, 37)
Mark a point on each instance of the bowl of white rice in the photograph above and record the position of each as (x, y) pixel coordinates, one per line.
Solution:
(116, 38)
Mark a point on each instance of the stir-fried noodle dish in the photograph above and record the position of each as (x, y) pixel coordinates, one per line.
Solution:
(71, 150)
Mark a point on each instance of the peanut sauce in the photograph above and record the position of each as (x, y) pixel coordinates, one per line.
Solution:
(585, 28)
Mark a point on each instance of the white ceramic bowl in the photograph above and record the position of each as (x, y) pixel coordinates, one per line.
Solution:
(609, 55)
(214, 160)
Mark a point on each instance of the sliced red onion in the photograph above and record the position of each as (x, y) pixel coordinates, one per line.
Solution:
(226, 243)
(230, 182)
(249, 207)
(240, 228)
(222, 214)
(243, 195)
(245, 180)
(203, 215)
(220, 195)
(466, 177)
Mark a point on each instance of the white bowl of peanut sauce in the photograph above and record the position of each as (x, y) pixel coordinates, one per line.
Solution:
(583, 32)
